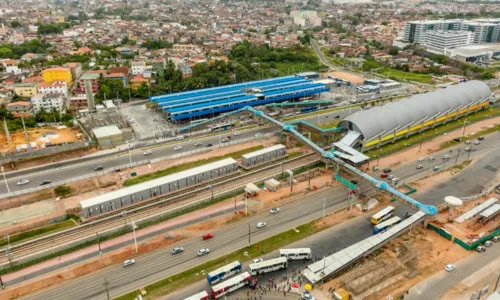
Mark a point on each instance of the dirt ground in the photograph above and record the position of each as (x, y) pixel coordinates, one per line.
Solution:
(354, 79)
(106, 183)
(57, 277)
(413, 153)
(54, 135)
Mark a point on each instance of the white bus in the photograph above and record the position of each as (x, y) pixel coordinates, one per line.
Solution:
(224, 272)
(298, 253)
(200, 296)
(231, 285)
(382, 215)
(386, 225)
(268, 266)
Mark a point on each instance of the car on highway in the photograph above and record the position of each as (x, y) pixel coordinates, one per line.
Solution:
(467, 149)
(198, 144)
(480, 249)
(436, 168)
(467, 142)
(209, 145)
(446, 156)
(228, 137)
(274, 210)
(336, 117)
(258, 134)
(257, 260)
(387, 170)
(23, 181)
(129, 262)
(432, 158)
(390, 177)
(225, 140)
(450, 267)
(179, 138)
(45, 182)
(488, 243)
(98, 168)
(207, 236)
(476, 142)
(383, 175)
(177, 148)
(421, 158)
(237, 133)
(419, 167)
(261, 224)
(147, 152)
(481, 138)
(177, 250)
(203, 251)
(496, 239)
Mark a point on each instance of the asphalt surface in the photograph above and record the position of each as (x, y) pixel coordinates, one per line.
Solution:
(436, 285)
(160, 264)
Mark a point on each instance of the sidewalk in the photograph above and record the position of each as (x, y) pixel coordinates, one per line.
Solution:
(113, 244)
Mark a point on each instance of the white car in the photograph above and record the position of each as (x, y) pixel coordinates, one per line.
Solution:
(476, 142)
(257, 260)
(446, 156)
(450, 267)
(203, 251)
(23, 181)
(419, 167)
(198, 144)
(237, 133)
(177, 148)
(129, 262)
(467, 142)
(274, 210)
(179, 138)
(258, 134)
(261, 224)
(391, 177)
(147, 152)
(224, 140)
(467, 148)
(421, 158)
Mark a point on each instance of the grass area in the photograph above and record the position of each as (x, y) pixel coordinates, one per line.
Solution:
(471, 137)
(288, 68)
(195, 274)
(38, 232)
(431, 133)
(293, 154)
(462, 165)
(405, 76)
(328, 125)
(186, 166)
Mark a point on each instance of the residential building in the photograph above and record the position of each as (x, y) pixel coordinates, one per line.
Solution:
(123, 70)
(76, 69)
(78, 102)
(53, 87)
(485, 31)
(315, 21)
(158, 65)
(415, 30)
(138, 67)
(58, 74)
(26, 89)
(186, 48)
(20, 108)
(11, 66)
(117, 76)
(185, 70)
(93, 79)
(48, 102)
(437, 41)
(137, 82)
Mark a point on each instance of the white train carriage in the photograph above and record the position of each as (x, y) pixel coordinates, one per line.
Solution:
(263, 155)
(131, 195)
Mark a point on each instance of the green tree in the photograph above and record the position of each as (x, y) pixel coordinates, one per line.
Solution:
(393, 50)
(15, 24)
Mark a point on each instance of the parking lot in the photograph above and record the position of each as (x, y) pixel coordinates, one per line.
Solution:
(147, 123)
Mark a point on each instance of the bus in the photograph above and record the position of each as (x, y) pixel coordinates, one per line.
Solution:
(386, 225)
(224, 272)
(308, 109)
(231, 285)
(200, 296)
(382, 215)
(268, 265)
(222, 127)
(298, 253)
(197, 121)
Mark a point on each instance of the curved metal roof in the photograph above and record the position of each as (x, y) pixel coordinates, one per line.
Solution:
(413, 109)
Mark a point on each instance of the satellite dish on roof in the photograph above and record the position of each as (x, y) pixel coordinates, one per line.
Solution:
(453, 201)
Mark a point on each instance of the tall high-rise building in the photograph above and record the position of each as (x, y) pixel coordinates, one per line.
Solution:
(90, 95)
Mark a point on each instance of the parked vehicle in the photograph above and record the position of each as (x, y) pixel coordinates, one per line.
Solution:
(480, 249)
(488, 243)
(496, 239)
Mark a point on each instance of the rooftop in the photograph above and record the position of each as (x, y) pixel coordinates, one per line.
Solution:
(106, 131)
(88, 76)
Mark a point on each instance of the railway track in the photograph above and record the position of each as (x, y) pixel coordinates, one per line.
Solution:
(74, 236)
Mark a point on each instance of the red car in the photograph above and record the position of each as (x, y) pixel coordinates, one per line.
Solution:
(228, 137)
(207, 236)
(383, 175)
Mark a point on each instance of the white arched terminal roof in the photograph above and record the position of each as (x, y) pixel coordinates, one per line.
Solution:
(382, 120)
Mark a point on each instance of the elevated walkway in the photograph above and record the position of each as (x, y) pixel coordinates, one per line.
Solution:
(315, 128)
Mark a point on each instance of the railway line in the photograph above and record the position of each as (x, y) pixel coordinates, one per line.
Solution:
(45, 245)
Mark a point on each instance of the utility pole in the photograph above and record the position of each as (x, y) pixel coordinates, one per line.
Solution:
(309, 177)
(106, 283)
(249, 234)
(98, 243)
(496, 284)
(324, 205)
(456, 160)
(212, 192)
(5, 179)
(234, 204)
(3, 287)
(135, 238)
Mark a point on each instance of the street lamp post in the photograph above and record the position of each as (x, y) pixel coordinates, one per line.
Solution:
(5, 179)
(463, 130)
(135, 238)
(324, 205)
(129, 156)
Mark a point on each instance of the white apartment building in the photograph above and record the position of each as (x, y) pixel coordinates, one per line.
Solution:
(415, 30)
(437, 41)
(485, 30)
(138, 67)
(48, 102)
(58, 87)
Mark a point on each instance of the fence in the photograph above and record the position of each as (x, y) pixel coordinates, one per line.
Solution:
(131, 165)
(478, 242)
(480, 195)
(440, 231)
(44, 151)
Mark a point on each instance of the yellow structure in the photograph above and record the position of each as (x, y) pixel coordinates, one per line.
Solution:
(58, 74)
(26, 90)
(341, 294)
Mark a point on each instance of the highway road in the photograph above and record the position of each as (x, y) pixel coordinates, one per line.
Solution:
(148, 269)
(113, 160)
(160, 264)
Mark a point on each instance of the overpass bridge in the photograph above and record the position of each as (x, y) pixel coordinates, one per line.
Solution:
(329, 156)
